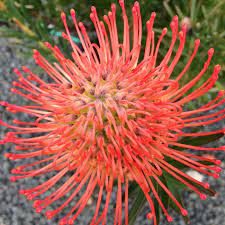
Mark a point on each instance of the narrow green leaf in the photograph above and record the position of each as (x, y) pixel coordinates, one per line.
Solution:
(201, 140)
(208, 191)
(172, 181)
(133, 188)
(193, 8)
(13, 11)
(175, 187)
(157, 211)
(182, 166)
(162, 195)
(137, 206)
(219, 85)
(168, 9)
(179, 11)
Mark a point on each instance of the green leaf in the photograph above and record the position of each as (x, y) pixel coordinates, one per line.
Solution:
(172, 181)
(137, 206)
(177, 194)
(178, 185)
(157, 211)
(182, 166)
(168, 9)
(13, 11)
(162, 195)
(175, 188)
(218, 84)
(208, 191)
(133, 188)
(193, 8)
(201, 140)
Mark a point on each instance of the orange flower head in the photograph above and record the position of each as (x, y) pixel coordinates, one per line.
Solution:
(109, 117)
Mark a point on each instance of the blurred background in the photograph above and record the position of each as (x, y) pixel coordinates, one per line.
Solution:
(26, 24)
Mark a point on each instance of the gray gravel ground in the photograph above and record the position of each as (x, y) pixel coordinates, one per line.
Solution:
(16, 210)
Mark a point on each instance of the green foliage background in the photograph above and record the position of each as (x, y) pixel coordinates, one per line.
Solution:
(40, 21)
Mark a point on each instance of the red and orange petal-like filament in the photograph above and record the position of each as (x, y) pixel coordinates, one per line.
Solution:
(108, 116)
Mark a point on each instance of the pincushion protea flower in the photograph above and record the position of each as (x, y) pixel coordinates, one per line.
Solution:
(109, 118)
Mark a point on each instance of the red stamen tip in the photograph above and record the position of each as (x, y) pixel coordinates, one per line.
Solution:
(164, 31)
(4, 103)
(149, 216)
(14, 170)
(13, 90)
(24, 68)
(184, 212)
(7, 155)
(136, 4)
(72, 12)
(36, 203)
(47, 44)
(221, 93)
(64, 35)
(210, 51)
(38, 210)
(30, 197)
(153, 15)
(14, 83)
(121, 2)
(10, 135)
(49, 215)
(218, 162)
(203, 196)
(113, 7)
(197, 42)
(93, 9)
(71, 221)
(15, 70)
(216, 175)
(175, 18)
(21, 79)
(218, 169)
(92, 17)
(63, 16)
(2, 142)
(110, 14)
(105, 18)
(36, 52)
(13, 179)
(169, 219)
(22, 192)
(63, 221)
(206, 185)
(15, 121)
(181, 34)
(81, 25)
(217, 68)
(134, 10)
